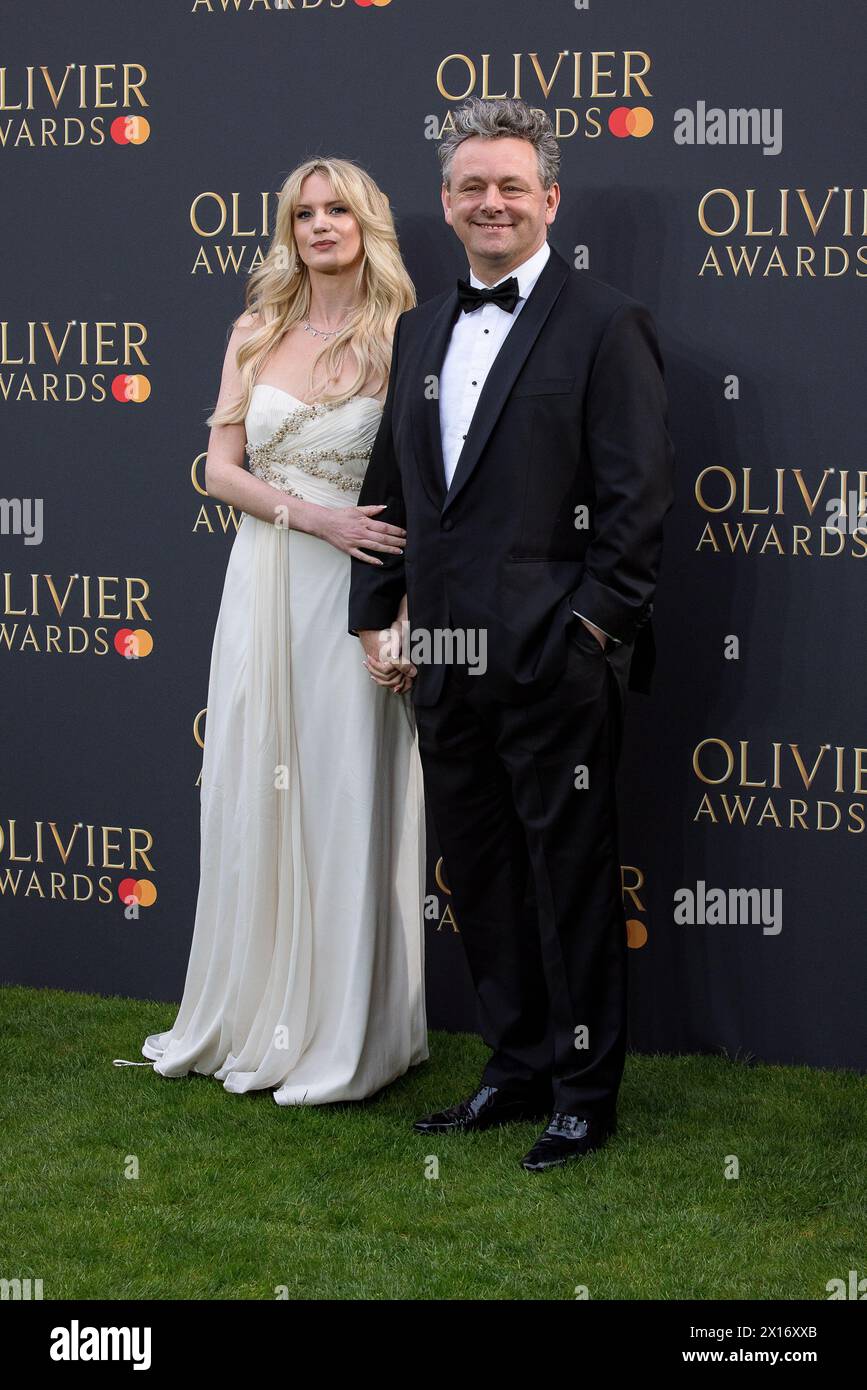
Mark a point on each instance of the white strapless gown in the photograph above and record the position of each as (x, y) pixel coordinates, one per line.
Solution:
(306, 970)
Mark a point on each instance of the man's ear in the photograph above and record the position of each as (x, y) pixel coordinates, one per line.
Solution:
(444, 195)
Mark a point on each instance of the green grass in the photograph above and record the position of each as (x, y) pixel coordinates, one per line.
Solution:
(236, 1195)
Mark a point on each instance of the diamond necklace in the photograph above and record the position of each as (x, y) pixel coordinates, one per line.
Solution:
(318, 332)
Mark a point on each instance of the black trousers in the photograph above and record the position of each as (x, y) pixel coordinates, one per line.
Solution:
(522, 798)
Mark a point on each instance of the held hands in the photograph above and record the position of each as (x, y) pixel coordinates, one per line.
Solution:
(386, 660)
(386, 655)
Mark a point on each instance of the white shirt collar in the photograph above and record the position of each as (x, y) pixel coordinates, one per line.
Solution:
(527, 273)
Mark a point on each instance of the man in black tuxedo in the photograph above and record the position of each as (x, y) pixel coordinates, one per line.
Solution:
(524, 447)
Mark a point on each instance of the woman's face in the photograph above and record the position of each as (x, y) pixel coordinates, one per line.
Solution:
(326, 232)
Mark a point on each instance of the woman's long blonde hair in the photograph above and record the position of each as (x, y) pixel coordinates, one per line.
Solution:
(279, 289)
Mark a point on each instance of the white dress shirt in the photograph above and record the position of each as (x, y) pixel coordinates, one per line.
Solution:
(475, 340)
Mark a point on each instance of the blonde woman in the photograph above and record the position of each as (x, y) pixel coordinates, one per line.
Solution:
(307, 961)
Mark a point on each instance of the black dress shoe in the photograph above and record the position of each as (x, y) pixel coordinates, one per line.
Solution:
(490, 1106)
(567, 1137)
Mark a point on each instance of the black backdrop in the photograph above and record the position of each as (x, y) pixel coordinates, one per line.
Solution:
(745, 768)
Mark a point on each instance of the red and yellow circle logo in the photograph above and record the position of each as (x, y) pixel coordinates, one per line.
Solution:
(137, 890)
(130, 130)
(133, 642)
(130, 388)
(630, 120)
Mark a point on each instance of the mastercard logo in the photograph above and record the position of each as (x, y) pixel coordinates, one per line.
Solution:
(137, 890)
(630, 120)
(367, 4)
(636, 934)
(133, 642)
(130, 388)
(130, 130)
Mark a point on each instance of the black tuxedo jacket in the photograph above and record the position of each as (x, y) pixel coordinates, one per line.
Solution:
(573, 413)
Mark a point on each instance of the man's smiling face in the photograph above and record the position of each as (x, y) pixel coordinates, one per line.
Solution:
(496, 203)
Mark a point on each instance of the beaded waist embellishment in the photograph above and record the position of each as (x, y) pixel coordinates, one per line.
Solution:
(267, 459)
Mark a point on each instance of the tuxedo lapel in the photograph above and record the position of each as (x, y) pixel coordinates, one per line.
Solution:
(504, 369)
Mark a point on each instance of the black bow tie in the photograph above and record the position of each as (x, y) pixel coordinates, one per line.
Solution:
(505, 294)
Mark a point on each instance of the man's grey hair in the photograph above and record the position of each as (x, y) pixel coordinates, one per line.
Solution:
(494, 120)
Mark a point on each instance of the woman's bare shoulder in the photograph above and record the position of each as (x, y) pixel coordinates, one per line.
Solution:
(247, 321)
